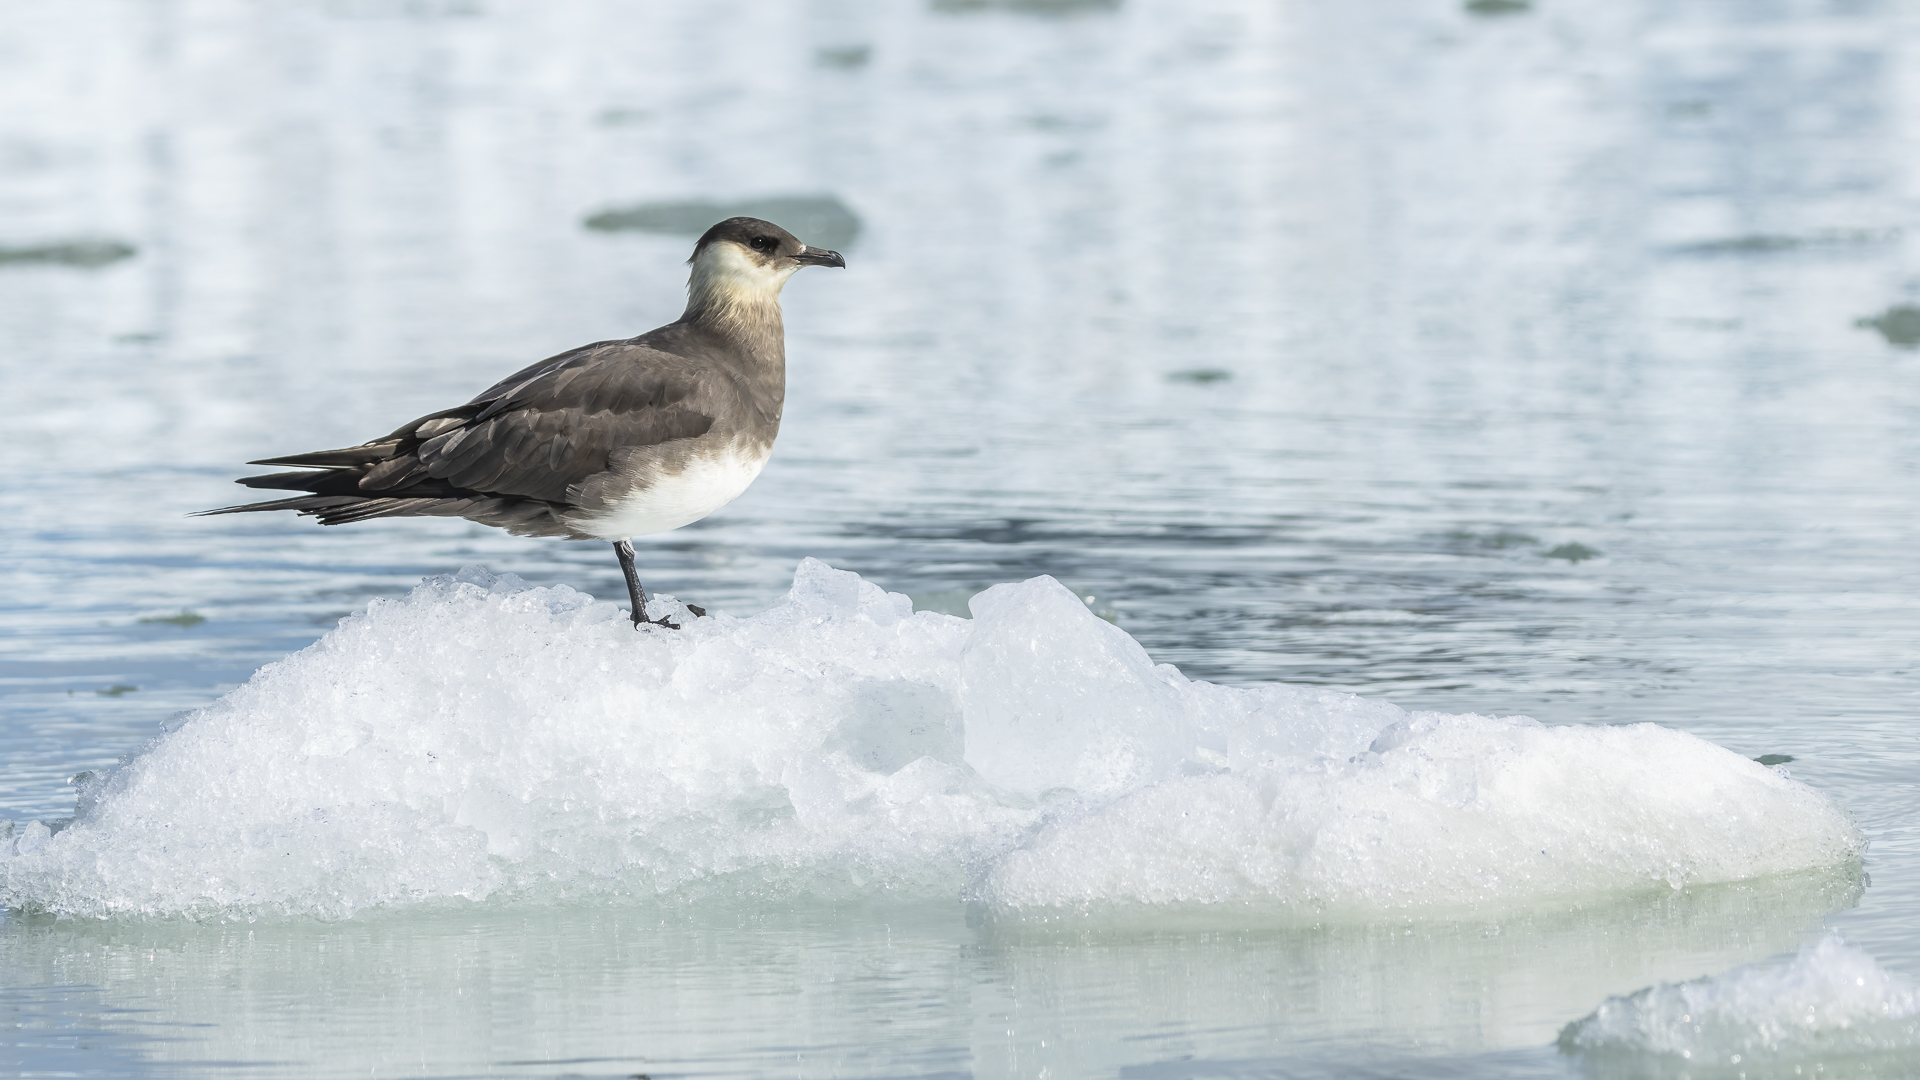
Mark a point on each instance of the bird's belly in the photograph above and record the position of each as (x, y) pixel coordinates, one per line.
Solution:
(674, 499)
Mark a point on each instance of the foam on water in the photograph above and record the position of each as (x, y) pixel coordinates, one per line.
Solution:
(1832, 1005)
(483, 739)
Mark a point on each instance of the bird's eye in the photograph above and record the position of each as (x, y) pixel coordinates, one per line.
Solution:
(764, 243)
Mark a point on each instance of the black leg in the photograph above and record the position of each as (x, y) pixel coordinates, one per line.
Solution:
(638, 595)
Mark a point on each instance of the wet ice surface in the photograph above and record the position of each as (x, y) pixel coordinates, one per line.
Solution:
(1544, 362)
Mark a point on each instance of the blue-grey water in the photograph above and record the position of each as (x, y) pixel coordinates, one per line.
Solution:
(1556, 360)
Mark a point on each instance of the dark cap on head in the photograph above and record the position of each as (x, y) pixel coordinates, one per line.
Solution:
(766, 240)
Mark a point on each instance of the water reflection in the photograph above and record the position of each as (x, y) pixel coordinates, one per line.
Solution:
(879, 990)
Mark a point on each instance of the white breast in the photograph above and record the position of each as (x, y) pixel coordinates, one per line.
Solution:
(677, 499)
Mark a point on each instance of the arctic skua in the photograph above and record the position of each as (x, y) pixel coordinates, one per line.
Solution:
(608, 441)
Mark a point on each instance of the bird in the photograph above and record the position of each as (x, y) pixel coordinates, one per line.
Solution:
(607, 441)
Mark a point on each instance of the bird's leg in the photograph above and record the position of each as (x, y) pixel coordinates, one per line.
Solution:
(638, 595)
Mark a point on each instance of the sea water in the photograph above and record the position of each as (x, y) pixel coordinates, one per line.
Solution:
(1307, 541)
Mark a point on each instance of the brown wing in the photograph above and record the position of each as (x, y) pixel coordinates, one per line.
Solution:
(557, 427)
(533, 435)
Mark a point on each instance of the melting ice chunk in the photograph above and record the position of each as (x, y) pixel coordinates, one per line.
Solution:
(1086, 712)
(1828, 1012)
(482, 739)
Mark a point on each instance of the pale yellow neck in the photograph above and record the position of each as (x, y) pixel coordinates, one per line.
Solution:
(738, 297)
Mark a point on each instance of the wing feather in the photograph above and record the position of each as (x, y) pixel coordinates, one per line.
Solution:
(558, 425)
(535, 435)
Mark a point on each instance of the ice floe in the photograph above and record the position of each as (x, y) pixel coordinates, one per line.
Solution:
(485, 740)
(1832, 1011)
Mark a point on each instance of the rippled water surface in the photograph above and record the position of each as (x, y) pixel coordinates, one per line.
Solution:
(1554, 360)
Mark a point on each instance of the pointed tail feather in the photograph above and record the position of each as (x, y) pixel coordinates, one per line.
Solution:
(521, 517)
(306, 504)
(353, 484)
(350, 457)
(331, 482)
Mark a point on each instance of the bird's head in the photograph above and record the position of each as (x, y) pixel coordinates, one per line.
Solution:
(750, 254)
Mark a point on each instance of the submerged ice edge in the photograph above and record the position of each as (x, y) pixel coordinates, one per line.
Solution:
(482, 739)
(1830, 1004)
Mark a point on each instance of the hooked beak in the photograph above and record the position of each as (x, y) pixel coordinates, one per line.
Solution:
(813, 256)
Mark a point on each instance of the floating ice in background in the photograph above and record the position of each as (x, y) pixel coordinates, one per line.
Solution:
(484, 739)
(820, 220)
(87, 254)
(1831, 1011)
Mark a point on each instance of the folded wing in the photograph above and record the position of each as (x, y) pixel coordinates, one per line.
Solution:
(509, 456)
